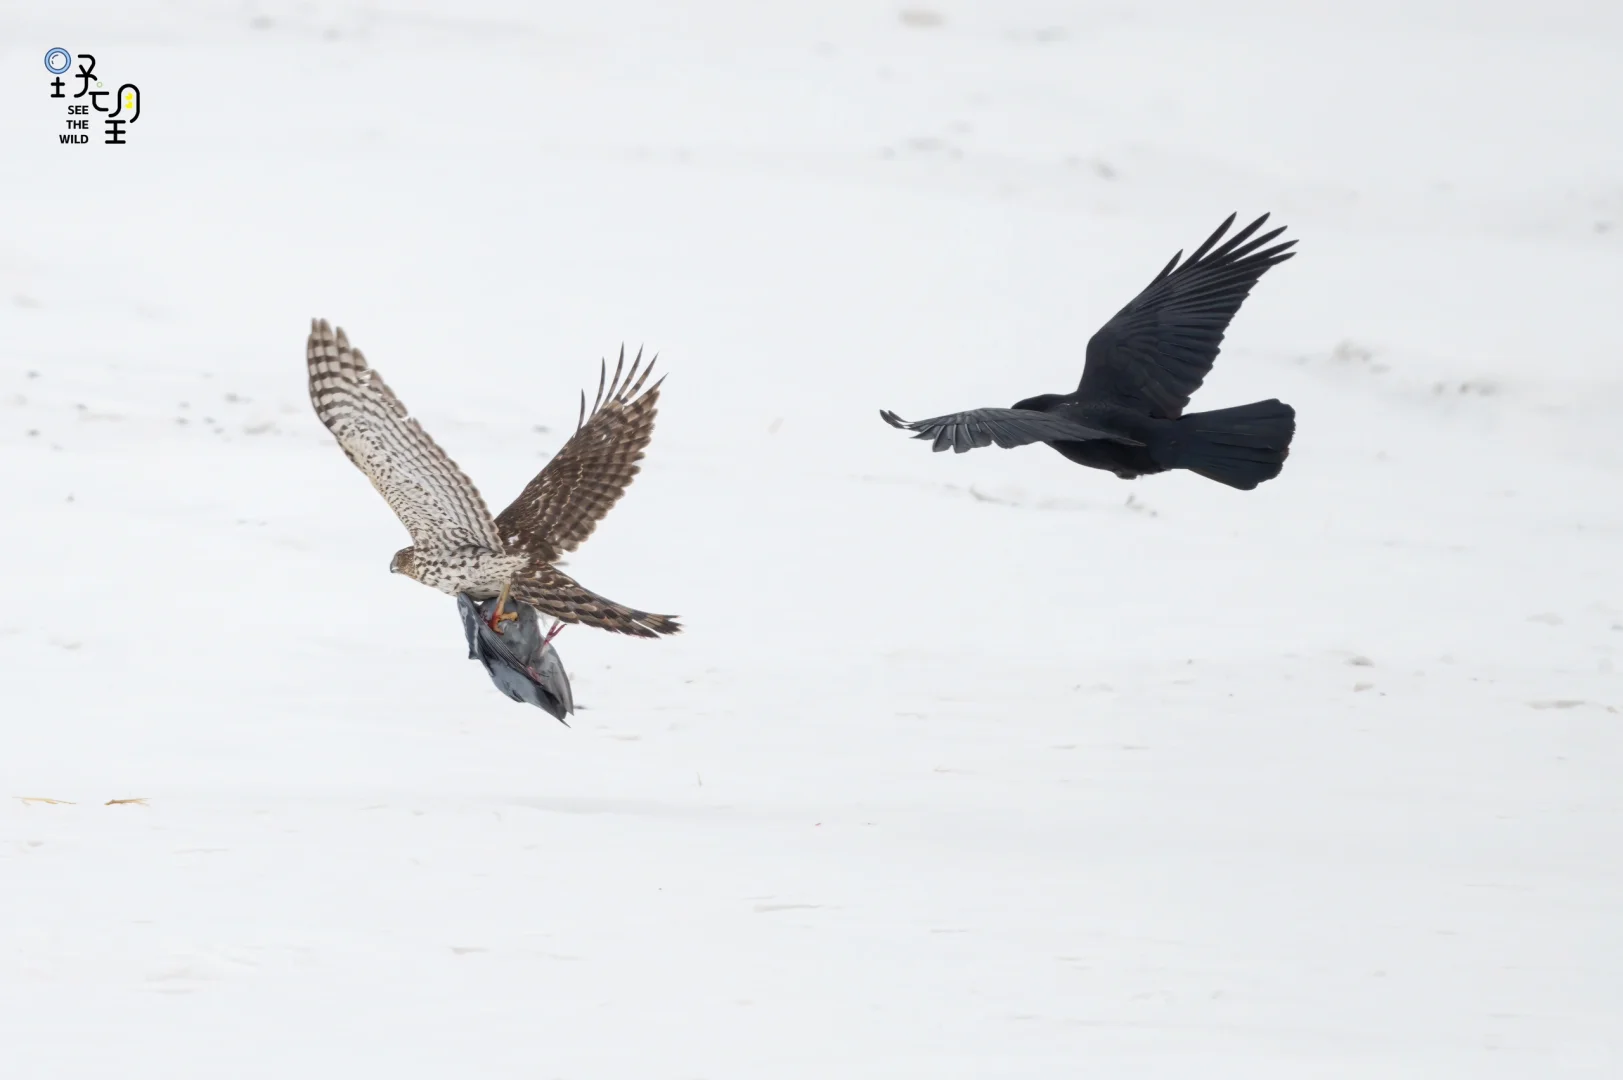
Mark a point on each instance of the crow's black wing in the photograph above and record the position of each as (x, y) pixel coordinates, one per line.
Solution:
(1005, 427)
(1159, 348)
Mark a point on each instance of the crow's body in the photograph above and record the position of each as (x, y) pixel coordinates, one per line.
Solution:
(1126, 416)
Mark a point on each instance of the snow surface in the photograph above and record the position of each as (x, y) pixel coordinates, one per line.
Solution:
(966, 767)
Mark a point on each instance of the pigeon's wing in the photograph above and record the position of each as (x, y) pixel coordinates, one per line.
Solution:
(470, 623)
(519, 661)
(434, 499)
(1159, 348)
(1004, 427)
(561, 507)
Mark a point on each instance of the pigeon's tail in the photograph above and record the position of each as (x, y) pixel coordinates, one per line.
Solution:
(1240, 447)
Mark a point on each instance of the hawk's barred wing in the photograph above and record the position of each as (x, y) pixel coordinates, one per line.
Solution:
(961, 432)
(1160, 347)
(439, 506)
(553, 592)
(563, 504)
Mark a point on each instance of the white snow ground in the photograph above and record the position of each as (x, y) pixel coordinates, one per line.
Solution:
(966, 767)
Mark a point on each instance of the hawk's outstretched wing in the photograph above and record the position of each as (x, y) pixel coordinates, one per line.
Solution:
(563, 504)
(550, 590)
(1158, 349)
(439, 506)
(1007, 428)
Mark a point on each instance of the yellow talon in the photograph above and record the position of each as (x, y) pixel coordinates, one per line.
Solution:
(502, 616)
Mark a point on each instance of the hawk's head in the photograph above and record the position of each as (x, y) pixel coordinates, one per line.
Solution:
(404, 562)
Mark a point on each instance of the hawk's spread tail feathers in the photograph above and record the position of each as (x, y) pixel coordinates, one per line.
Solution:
(555, 593)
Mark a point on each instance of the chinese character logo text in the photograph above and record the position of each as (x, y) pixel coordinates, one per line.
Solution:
(115, 119)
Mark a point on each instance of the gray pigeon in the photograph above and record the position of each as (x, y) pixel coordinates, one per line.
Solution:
(521, 661)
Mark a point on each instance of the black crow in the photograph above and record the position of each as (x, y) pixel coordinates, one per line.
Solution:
(1127, 413)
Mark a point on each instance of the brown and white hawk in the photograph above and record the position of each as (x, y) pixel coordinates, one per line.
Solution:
(456, 547)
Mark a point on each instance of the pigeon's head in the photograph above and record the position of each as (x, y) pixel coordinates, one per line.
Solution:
(1040, 403)
(404, 561)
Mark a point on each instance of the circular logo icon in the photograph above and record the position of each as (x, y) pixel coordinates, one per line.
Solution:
(58, 60)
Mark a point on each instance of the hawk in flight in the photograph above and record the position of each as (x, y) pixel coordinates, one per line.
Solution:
(1126, 416)
(456, 547)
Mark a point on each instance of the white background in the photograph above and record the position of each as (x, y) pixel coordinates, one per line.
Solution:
(986, 766)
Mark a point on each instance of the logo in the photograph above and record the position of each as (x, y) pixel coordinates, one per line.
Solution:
(116, 120)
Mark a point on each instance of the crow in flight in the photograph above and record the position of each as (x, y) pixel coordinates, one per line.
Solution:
(1127, 413)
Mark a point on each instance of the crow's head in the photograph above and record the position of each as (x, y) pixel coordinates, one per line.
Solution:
(1040, 403)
